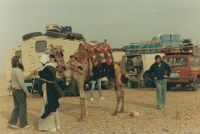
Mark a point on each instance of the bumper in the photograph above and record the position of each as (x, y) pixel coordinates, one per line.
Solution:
(180, 80)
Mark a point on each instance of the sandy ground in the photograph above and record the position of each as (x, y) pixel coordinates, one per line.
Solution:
(180, 116)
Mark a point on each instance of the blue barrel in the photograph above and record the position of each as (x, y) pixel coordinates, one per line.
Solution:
(133, 46)
(147, 46)
(67, 29)
(127, 49)
(152, 46)
(158, 45)
(139, 51)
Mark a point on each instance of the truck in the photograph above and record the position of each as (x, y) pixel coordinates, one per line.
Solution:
(136, 61)
(184, 62)
(33, 46)
(185, 67)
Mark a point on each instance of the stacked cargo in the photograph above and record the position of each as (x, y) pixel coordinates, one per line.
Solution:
(156, 45)
(166, 40)
(175, 40)
(54, 30)
(188, 44)
(133, 48)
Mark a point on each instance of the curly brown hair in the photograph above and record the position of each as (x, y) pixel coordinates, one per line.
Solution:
(15, 62)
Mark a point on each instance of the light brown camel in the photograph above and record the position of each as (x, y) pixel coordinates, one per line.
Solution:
(80, 68)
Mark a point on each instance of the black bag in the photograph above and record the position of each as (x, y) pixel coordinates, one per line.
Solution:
(58, 90)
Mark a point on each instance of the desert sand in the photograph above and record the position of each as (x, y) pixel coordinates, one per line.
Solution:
(180, 116)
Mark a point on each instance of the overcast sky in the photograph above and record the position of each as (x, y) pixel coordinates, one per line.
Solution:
(118, 21)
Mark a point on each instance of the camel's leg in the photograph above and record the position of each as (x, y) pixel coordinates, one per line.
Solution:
(82, 101)
(86, 111)
(118, 100)
(122, 97)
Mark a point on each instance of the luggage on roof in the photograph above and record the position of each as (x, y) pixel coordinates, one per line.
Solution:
(53, 27)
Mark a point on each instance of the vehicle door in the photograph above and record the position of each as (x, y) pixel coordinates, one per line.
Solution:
(194, 67)
(198, 64)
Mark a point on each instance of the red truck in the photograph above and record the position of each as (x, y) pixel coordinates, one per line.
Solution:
(185, 69)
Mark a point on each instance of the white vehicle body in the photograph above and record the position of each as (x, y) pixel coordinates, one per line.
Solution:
(137, 69)
(31, 50)
(148, 60)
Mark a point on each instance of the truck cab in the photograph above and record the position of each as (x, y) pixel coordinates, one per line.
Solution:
(185, 69)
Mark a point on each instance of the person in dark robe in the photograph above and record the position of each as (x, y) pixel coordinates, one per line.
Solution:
(49, 120)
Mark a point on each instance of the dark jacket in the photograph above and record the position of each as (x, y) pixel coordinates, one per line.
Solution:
(159, 72)
(47, 75)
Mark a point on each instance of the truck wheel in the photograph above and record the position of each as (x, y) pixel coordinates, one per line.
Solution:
(54, 34)
(145, 78)
(30, 35)
(147, 81)
(107, 85)
(195, 85)
(169, 86)
(124, 79)
(72, 37)
(73, 88)
(183, 85)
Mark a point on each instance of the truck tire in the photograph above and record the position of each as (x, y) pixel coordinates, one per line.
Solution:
(183, 85)
(145, 78)
(74, 88)
(74, 35)
(195, 85)
(147, 81)
(124, 79)
(169, 86)
(107, 85)
(54, 34)
(69, 36)
(30, 35)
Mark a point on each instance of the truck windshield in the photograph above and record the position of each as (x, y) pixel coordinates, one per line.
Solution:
(176, 61)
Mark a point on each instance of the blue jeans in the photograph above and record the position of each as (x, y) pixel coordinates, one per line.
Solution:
(161, 92)
(93, 86)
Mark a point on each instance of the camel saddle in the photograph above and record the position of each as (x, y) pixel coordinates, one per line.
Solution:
(99, 54)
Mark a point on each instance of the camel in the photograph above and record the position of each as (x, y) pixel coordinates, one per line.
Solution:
(80, 67)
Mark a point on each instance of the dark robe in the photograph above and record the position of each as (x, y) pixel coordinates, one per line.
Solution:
(47, 75)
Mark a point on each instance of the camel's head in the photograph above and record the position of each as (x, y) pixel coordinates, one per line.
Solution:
(54, 50)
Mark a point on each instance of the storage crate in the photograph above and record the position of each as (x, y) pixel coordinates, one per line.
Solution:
(53, 27)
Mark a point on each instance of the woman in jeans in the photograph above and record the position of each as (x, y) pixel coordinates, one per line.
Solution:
(99, 89)
(20, 92)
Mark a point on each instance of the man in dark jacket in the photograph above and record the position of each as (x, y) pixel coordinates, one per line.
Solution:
(159, 71)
